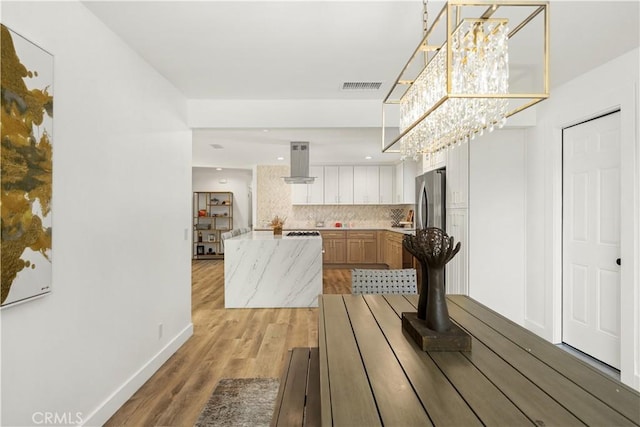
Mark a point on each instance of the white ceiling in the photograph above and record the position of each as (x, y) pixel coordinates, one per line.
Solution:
(307, 49)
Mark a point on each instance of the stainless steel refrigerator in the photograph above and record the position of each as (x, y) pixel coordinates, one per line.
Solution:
(430, 200)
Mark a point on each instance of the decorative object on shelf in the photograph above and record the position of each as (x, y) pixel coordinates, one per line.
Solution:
(453, 89)
(202, 212)
(431, 327)
(200, 250)
(218, 208)
(277, 223)
(396, 215)
(27, 168)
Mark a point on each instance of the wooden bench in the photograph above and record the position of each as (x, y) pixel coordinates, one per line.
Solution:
(298, 401)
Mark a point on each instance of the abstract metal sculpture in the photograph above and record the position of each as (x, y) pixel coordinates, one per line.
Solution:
(432, 328)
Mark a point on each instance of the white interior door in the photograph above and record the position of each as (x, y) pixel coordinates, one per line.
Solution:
(591, 238)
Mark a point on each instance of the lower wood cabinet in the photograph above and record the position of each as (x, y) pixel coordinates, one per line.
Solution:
(334, 245)
(365, 247)
(394, 253)
(393, 250)
(362, 247)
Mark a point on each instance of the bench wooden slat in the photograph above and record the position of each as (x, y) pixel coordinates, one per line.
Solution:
(294, 385)
(397, 402)
(325, 394)
(441, 400)
(583, 405)
(615, 394)
(347, 377)
(312, 406)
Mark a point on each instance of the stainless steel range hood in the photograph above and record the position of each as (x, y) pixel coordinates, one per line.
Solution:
(299, 164)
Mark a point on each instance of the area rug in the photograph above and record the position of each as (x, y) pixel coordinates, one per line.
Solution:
(240, 402)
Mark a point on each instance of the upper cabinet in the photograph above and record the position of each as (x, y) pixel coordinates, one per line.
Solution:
(309, 194)
(434, 161)
(359, 185)
(458, 177)
(386, 185)
(366, 185)
(338, 185)
(405, 182)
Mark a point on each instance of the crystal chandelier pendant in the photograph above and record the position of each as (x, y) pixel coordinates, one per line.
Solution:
(479, 74)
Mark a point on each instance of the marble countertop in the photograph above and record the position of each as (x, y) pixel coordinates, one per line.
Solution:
(268, 235)
(394, 229)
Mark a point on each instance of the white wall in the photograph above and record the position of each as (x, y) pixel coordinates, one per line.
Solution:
(611, 86)
(121, 211)
(497, 221)
(238, 181)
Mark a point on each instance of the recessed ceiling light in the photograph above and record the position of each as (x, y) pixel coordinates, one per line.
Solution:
(280, 158)
(218, 169)
(367, 157)
(265, 130)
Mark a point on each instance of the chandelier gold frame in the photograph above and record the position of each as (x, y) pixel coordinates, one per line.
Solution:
(455, 12)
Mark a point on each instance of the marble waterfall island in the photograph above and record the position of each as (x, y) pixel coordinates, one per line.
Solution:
(266, 271)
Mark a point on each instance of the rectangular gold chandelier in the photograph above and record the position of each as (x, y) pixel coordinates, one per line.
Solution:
(468, 76)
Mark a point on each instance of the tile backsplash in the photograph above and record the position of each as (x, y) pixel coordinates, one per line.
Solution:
(274, 198)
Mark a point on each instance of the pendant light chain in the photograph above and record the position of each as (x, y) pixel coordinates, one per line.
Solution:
(425, 18)
(425, 28)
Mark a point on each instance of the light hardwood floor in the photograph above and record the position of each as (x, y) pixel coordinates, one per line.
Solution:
(226, 343)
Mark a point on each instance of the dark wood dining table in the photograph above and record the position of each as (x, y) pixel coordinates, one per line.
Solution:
(373, 374)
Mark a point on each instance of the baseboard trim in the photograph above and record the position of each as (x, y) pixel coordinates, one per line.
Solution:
(118, 398)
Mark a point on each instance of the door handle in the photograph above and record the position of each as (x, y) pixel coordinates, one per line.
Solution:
(618, 261)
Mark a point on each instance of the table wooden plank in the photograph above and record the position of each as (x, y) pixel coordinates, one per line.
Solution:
(395, 398)
(580, 403)
(325, 394)
(533, 402)
(615, 394)
(348, 380)
(486, 400)
(442, 401)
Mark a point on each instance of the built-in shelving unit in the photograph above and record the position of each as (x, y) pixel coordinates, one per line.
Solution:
(212, 216)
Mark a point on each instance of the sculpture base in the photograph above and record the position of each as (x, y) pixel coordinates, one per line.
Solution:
(455, 339)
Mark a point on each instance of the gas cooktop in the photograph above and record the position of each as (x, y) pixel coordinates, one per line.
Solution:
(303, 233)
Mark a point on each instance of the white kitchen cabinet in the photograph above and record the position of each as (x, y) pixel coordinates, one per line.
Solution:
(366, 185)
(315, 191)
(405, 182)
(338, 185)
(331, 185)
(386, 185)
(309, 194)
(434, 161)
(298, 194)
(456, 270)
(458, 177)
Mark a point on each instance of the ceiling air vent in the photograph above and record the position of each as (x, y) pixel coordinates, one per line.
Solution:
(361, 85)
(216, 146)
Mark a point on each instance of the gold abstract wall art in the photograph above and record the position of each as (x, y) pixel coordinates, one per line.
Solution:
(26, 167)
